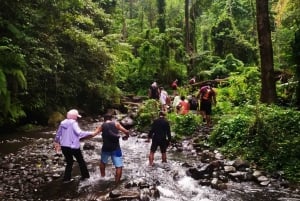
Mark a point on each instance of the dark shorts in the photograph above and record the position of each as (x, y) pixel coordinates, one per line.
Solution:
(206, 107)
(162, 146)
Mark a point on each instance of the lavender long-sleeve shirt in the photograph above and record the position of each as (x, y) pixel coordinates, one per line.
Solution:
(69, 134)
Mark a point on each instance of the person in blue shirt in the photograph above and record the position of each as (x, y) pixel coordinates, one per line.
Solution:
(67, 140)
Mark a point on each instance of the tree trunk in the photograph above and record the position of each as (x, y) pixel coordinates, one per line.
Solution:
(187, 26)
(161, 7)
(296, 57)
(268, 88)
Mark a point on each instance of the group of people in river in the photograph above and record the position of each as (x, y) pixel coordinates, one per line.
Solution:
(69, 134)
(68, 137)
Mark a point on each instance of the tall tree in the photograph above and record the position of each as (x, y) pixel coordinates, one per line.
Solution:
(296, 57)
(187, 25)
(268, 88)
(161, 21)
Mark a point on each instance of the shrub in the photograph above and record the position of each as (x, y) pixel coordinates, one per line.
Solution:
(183, 125)
(267, 135)
(146, 114)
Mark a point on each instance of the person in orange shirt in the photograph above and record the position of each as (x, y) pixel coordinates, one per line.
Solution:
(184, 106)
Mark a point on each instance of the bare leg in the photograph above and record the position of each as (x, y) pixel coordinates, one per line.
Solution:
(102, 169)
(208, 119)
(203, 115)
(151, 158)
(164, 157)
(118, 174)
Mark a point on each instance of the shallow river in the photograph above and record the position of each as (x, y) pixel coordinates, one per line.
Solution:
(170, 178)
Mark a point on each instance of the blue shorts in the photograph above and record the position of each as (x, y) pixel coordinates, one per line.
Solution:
(116, 157)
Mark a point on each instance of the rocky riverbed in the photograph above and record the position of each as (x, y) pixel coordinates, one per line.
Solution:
(36, 166)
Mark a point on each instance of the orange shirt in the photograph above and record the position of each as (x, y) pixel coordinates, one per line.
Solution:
(185, 107)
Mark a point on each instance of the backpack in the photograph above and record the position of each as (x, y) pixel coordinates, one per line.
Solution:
(154, 92)
(194, 104)
(207, 93)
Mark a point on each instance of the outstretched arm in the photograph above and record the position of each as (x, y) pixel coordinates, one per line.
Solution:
(124, 130)
(96, 132)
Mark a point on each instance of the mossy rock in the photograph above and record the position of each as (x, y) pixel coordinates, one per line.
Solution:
(55, 118)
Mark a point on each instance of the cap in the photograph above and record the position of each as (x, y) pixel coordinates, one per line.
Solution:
(73, 114)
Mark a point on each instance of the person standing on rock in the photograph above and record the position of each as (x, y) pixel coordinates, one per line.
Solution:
(160, 134)
(111, 145)
(67, 140)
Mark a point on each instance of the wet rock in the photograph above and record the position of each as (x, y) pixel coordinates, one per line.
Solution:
(55, 118)
(88, 146)
(130, 184)
(262, 178)
(127, 122)
(241, 165)
(284, 184)
(185, 164)
(120, 195)
(240, 176)
(265, 183)
(205, 182)
(257, 173)
(143, 135)
(229, 169)
(154, 192)
(219, 156)
(114, 194)
(200, 173)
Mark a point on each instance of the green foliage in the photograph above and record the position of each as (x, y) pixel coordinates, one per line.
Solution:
(243, 88)
(267, 135)
(184, 125)
(227, 40)
(12, 83)
(219, 71)
(146, 114)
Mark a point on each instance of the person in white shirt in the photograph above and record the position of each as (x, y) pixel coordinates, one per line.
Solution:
(176, 102)
(163, 99)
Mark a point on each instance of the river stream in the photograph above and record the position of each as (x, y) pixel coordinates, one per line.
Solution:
(169, 179)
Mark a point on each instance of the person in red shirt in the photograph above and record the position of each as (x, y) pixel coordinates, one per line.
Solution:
(207, 97)
(174, 84)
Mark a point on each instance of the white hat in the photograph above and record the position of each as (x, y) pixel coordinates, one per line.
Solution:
(154, 84)
(73, 114)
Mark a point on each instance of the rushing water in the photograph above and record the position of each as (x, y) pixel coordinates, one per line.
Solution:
(170, 178)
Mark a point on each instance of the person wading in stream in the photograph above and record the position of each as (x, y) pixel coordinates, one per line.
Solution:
(111, 145)
(161, 137)
(67, 139)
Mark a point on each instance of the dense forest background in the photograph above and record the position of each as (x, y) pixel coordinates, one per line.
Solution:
(56, 55)
(60, 54)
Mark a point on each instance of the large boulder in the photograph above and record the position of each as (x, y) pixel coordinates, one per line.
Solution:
(55, 118)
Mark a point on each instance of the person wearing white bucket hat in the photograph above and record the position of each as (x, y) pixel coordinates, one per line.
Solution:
(67, 139)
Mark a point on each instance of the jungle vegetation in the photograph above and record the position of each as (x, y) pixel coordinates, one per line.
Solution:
(60, 54)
